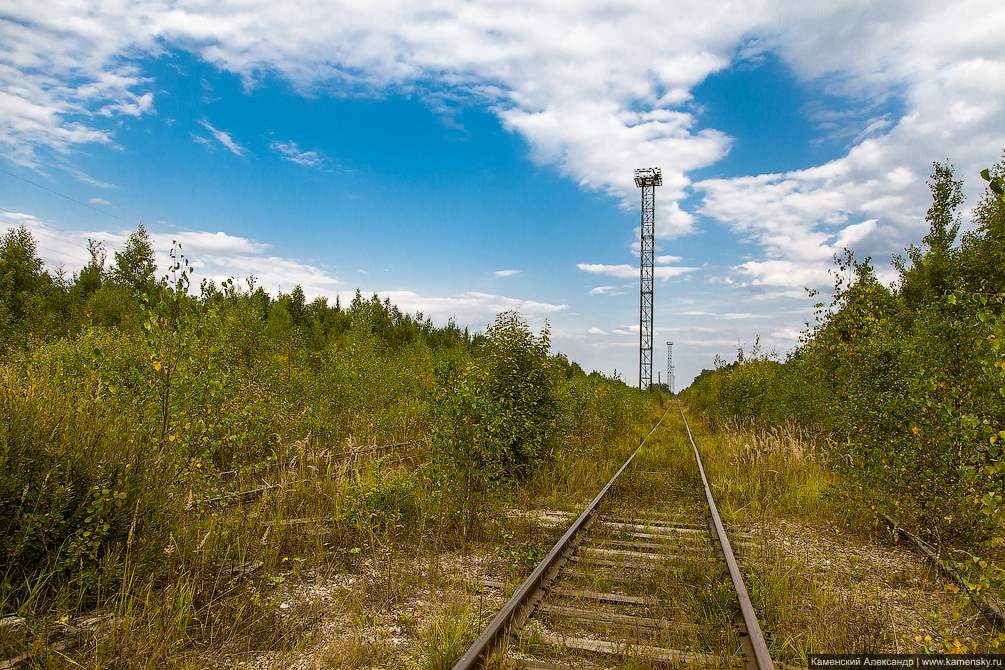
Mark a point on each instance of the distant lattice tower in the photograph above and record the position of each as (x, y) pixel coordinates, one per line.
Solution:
(670, 367)
(647, 179)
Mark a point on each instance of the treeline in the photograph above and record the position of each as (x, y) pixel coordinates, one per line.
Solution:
(38, 305)
(127, 397)
(907, 380)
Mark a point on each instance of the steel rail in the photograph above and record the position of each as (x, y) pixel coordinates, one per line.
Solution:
(755, 649)
(990, 611)
(516, 611)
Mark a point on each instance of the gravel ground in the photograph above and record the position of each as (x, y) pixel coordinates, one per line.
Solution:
(900, 591)
(352, 620)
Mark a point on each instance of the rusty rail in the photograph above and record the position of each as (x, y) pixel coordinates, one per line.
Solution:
(251, 495)
(755, 650)
(519, 608)
(990, 611)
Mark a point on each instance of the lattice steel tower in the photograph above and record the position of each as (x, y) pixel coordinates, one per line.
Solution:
(647, 179)
(670, 366)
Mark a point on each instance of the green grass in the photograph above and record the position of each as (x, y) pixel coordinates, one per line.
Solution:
(762, 478)
(107, 517)
(445, 638)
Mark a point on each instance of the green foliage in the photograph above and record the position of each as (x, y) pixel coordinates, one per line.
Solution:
(908, 384)
(934, 266)
(80, 487)
(983, 250)
(498, 415)
(111, 306)
(20, 282)
(123, 412)
(170, 330)
(134, 266)
(597, 411)
(382, 502)
(743, 390)
(947, 195)
(445, 638)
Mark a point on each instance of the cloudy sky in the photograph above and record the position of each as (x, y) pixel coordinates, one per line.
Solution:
(467, 157)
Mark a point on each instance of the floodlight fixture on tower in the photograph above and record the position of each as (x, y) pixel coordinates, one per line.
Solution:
(647, 179)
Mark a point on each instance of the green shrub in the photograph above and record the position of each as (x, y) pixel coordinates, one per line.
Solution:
(81, 488)
(497, 415)
(906, 380)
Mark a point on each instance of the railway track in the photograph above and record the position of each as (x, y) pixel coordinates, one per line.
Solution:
(646, 573)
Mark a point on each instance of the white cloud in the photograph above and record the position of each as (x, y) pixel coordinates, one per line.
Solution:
(785, 273)
(667, 260)
(18, 216)
(291, 152)
(619, 271)
(219, 243)
(730, 316)
(794, 294)
(625, 271)
(609, 91)
(506, 273)
(866, 201)
(800, 215)
(596, 331)
(134, 105)
(786, 334)
(98, 201)
(224, 138)
(88, 179)
(606, 290)
(595, 89)
(470, 307)
(948, 68)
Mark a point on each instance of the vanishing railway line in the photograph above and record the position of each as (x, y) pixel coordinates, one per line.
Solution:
(647, 571)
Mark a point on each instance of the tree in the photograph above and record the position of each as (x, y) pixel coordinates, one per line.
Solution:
(934, 266)
(20, 280)
(499, 415)
(944, 221)
(134, 265)
(297, 304)
(983, 250)
(89, 279)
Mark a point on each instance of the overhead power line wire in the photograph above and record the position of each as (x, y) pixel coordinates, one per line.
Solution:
(33, 222)
(36, 221)
(79, 202)
(62, 253)
(57, 239)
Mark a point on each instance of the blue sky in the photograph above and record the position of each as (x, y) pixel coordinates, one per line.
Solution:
(466, 158)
